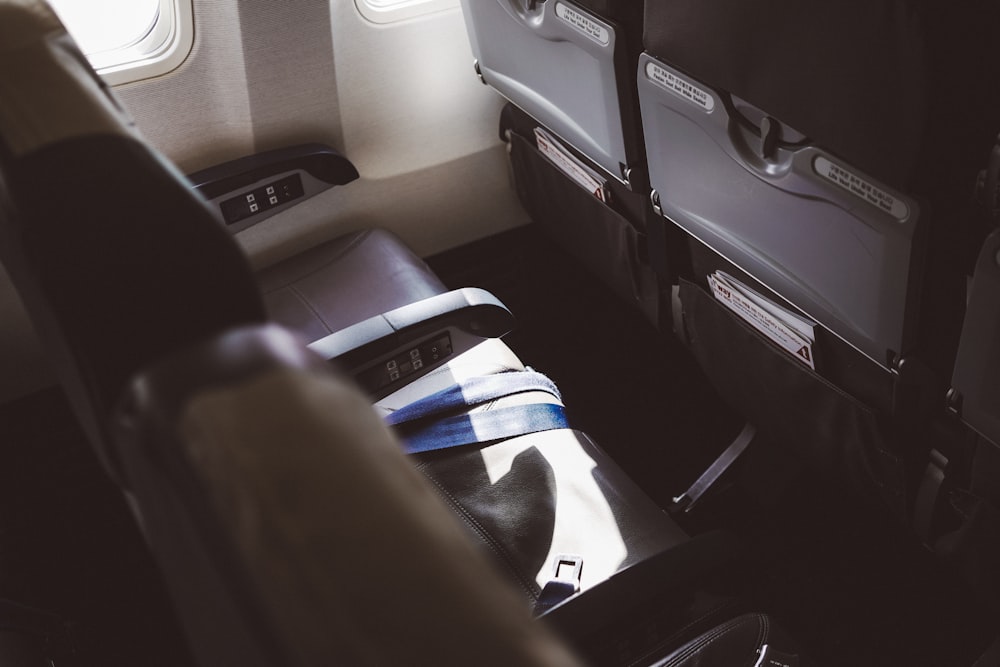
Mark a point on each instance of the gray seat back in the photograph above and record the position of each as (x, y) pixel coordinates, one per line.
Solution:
(568, 65)
(822, 234)
(769, 142)
(811, 148)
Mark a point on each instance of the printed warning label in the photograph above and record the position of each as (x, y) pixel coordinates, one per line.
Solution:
(862, 188)
(680, 87)
(578, 172)
(583, 23)
(762, 317)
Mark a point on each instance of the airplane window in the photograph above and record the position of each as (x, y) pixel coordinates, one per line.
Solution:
(128, 40)
(108, 25)
(387, 11)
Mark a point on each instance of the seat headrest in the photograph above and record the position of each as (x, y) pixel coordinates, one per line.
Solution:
(49, 91)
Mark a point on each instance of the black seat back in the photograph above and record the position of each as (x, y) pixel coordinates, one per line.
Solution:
(115, 259)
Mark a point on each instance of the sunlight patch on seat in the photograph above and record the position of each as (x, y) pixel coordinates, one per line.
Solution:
(584, 523)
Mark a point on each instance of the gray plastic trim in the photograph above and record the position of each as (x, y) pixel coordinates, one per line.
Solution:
(977, 367)
(556, 62)
(311, 186)
(824, 236)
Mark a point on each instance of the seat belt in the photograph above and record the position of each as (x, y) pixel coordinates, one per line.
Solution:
(485, 426)
(687, 500)
(474, 391)
(426, 425)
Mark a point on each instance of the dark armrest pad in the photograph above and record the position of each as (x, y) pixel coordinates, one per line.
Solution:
(250, 189)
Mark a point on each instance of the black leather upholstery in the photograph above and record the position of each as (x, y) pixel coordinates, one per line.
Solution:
(514, 517)
(738, 642)
(345, 281)
(67, 206)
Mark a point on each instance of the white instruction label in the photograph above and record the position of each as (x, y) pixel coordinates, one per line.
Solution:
(680, 87)
(862, 188)
(763, 320)
(583, 23)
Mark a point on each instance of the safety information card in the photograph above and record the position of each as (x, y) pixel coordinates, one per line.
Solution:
(791, 332)
(568, 164)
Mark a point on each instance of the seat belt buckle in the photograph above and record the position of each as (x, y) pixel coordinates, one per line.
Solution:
(567, 571)
(568, 568)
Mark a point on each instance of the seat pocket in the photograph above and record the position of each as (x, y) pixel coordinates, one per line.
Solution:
(796, 407)
(594, 233)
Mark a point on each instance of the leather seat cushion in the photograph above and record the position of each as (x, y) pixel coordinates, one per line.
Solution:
(530, 499)
(738, 642)
(345, 281)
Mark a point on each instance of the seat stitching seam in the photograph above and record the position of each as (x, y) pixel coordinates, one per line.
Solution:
(350, 247)
(673, 636)
(308, 304)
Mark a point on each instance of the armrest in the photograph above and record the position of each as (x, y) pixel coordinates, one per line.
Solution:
(388, 351)
(253, 188)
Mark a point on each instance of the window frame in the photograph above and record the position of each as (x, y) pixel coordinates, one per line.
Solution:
(390, 11)
(165, 45)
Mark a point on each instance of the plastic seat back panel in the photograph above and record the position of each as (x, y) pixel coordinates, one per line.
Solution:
(556, 62)
(826, 237)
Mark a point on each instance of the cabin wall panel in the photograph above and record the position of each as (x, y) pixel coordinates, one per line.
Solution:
(199, 114)
(422, 131)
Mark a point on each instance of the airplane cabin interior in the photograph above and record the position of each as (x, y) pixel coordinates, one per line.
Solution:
(500, 332)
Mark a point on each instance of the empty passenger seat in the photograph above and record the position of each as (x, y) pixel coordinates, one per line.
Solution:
(531, 500)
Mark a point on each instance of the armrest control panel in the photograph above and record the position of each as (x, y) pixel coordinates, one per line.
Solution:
(387, 351)
(398, 369)
(261, 199)
(253, 188)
